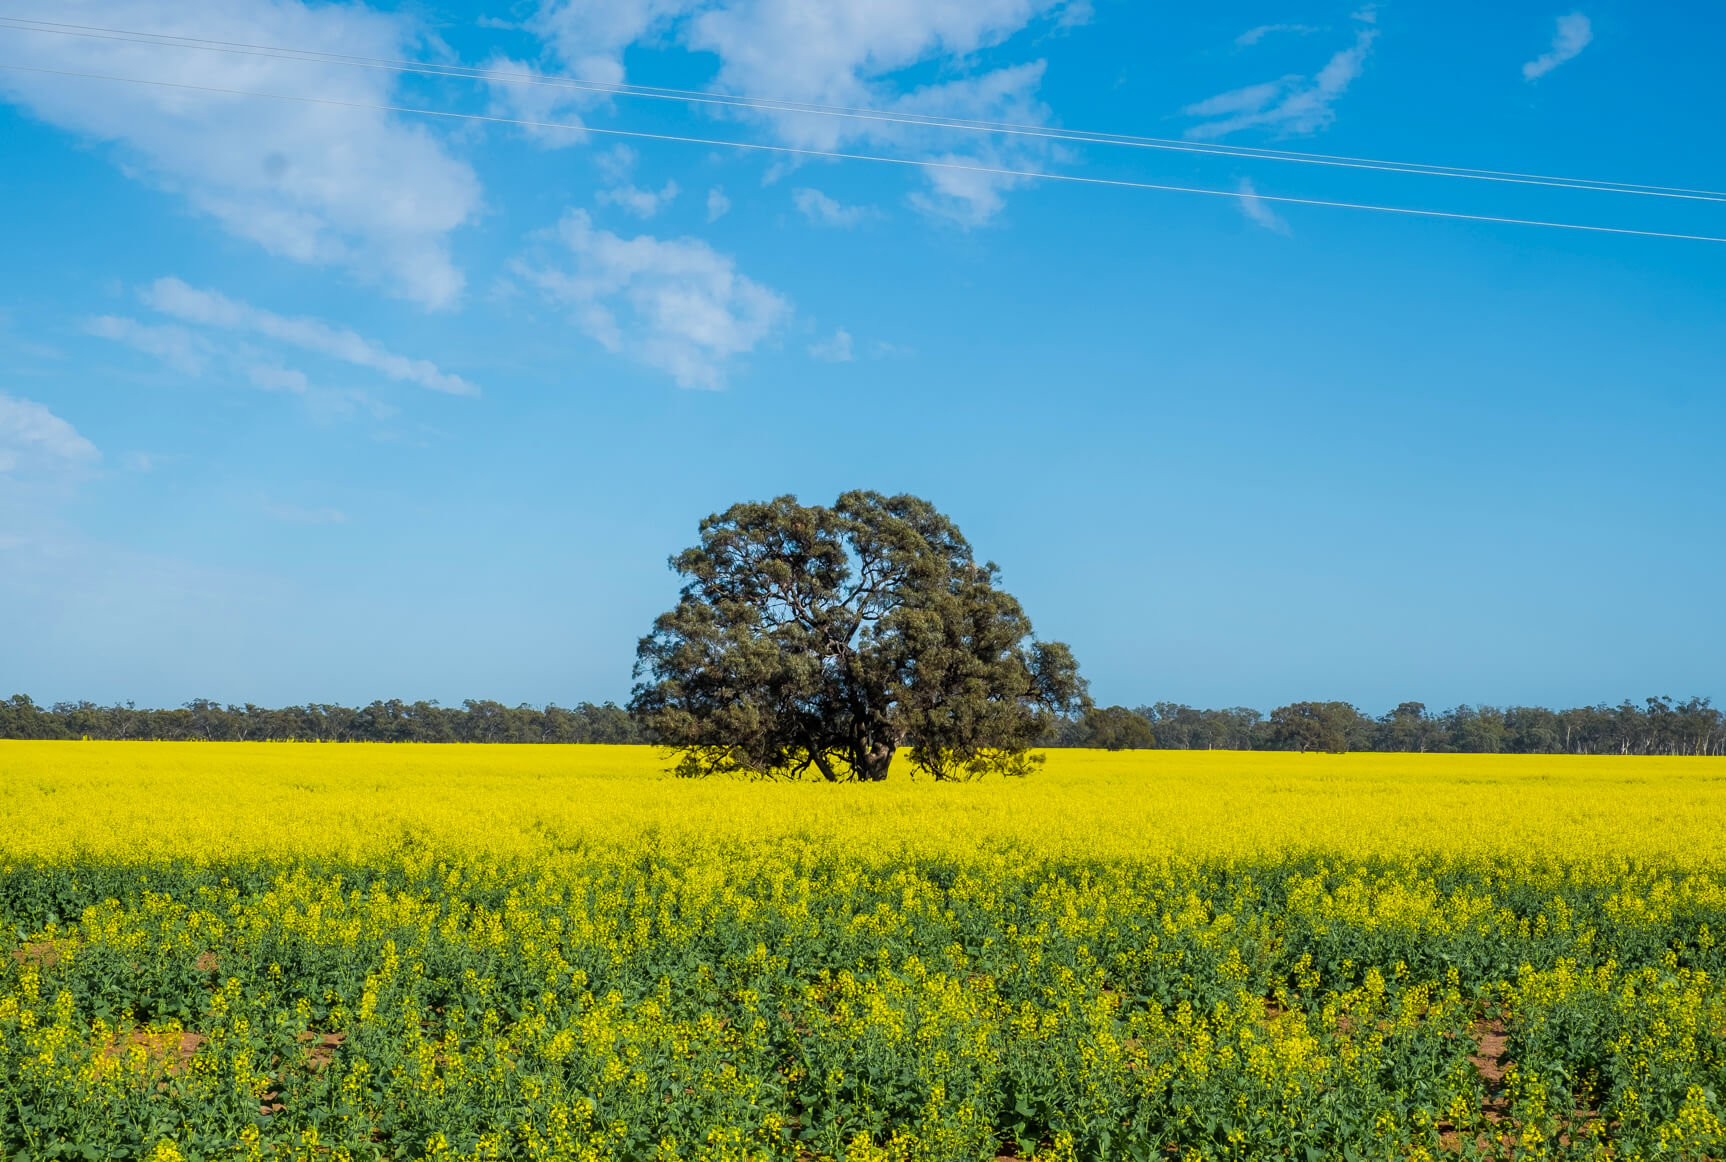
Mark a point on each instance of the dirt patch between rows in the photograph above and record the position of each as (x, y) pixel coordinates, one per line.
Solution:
(168, 1051)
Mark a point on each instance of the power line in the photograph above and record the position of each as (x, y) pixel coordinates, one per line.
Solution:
(929, 121)
(762, 104)
(836, 155)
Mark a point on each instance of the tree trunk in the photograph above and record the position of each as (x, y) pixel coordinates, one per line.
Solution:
(823, 764)
(877, 758)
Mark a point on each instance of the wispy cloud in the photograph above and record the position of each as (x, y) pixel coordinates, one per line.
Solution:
(1289, 105)
(194, 353)
(332, 184)
(718, 205)
(836, 348)
(214, 335)
(617, 167)
(1258, 211)
(523, 92)
(214, 310)
(635, 200)
(35, 442)
(1253, 35)
(968, 198)
(675, 304)
(842, 53)
(184, 350)
(1569, 38)
(273, 377)
(826, 211)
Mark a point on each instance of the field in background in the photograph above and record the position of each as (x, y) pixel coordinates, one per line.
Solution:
(402, 951)
(202, 801)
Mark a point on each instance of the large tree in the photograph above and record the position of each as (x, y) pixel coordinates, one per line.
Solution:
(825, 639)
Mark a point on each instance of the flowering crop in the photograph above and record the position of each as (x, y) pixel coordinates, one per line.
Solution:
(301, 951)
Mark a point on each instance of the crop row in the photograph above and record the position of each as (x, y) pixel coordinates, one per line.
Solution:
(768, 1002)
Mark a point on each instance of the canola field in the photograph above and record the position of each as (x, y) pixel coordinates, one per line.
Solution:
(246, 951)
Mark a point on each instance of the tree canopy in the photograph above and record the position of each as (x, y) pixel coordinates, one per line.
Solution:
(1305, 726)
(1109, 728)
(391, 720)
(1658, 726)
(824, 639)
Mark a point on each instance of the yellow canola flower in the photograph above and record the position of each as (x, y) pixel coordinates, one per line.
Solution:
(148, 802)
(563, 953)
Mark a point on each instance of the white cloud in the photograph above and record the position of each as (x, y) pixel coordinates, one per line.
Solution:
(323, 184)
(273, 377)
(718, 205)
(843, 52)
(181, 349)
(39, 445)
(635, 200)
(214, 310)
(835, 349)
(191, 353)
(850, 53)
(969, 198)
(847, 54)
(1258, 211)
(825, 211)
(1571, 36)
(1289, 105)
(1253, 35)
(216, 334)
(675, 304)
(590, 35)
(617, 164)
(524, 92)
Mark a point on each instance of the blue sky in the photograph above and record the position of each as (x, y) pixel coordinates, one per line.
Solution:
(303, 400)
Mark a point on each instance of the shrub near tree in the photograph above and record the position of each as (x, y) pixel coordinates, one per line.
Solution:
(823, 640)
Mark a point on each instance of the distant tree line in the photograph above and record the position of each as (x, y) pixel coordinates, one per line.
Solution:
(1659, 726)
(392, 721)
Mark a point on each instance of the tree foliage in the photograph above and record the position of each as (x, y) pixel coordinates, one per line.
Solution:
(815, 639)
(1305, 726)
(1659, 726)
(390, 720)
(1109, 728)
